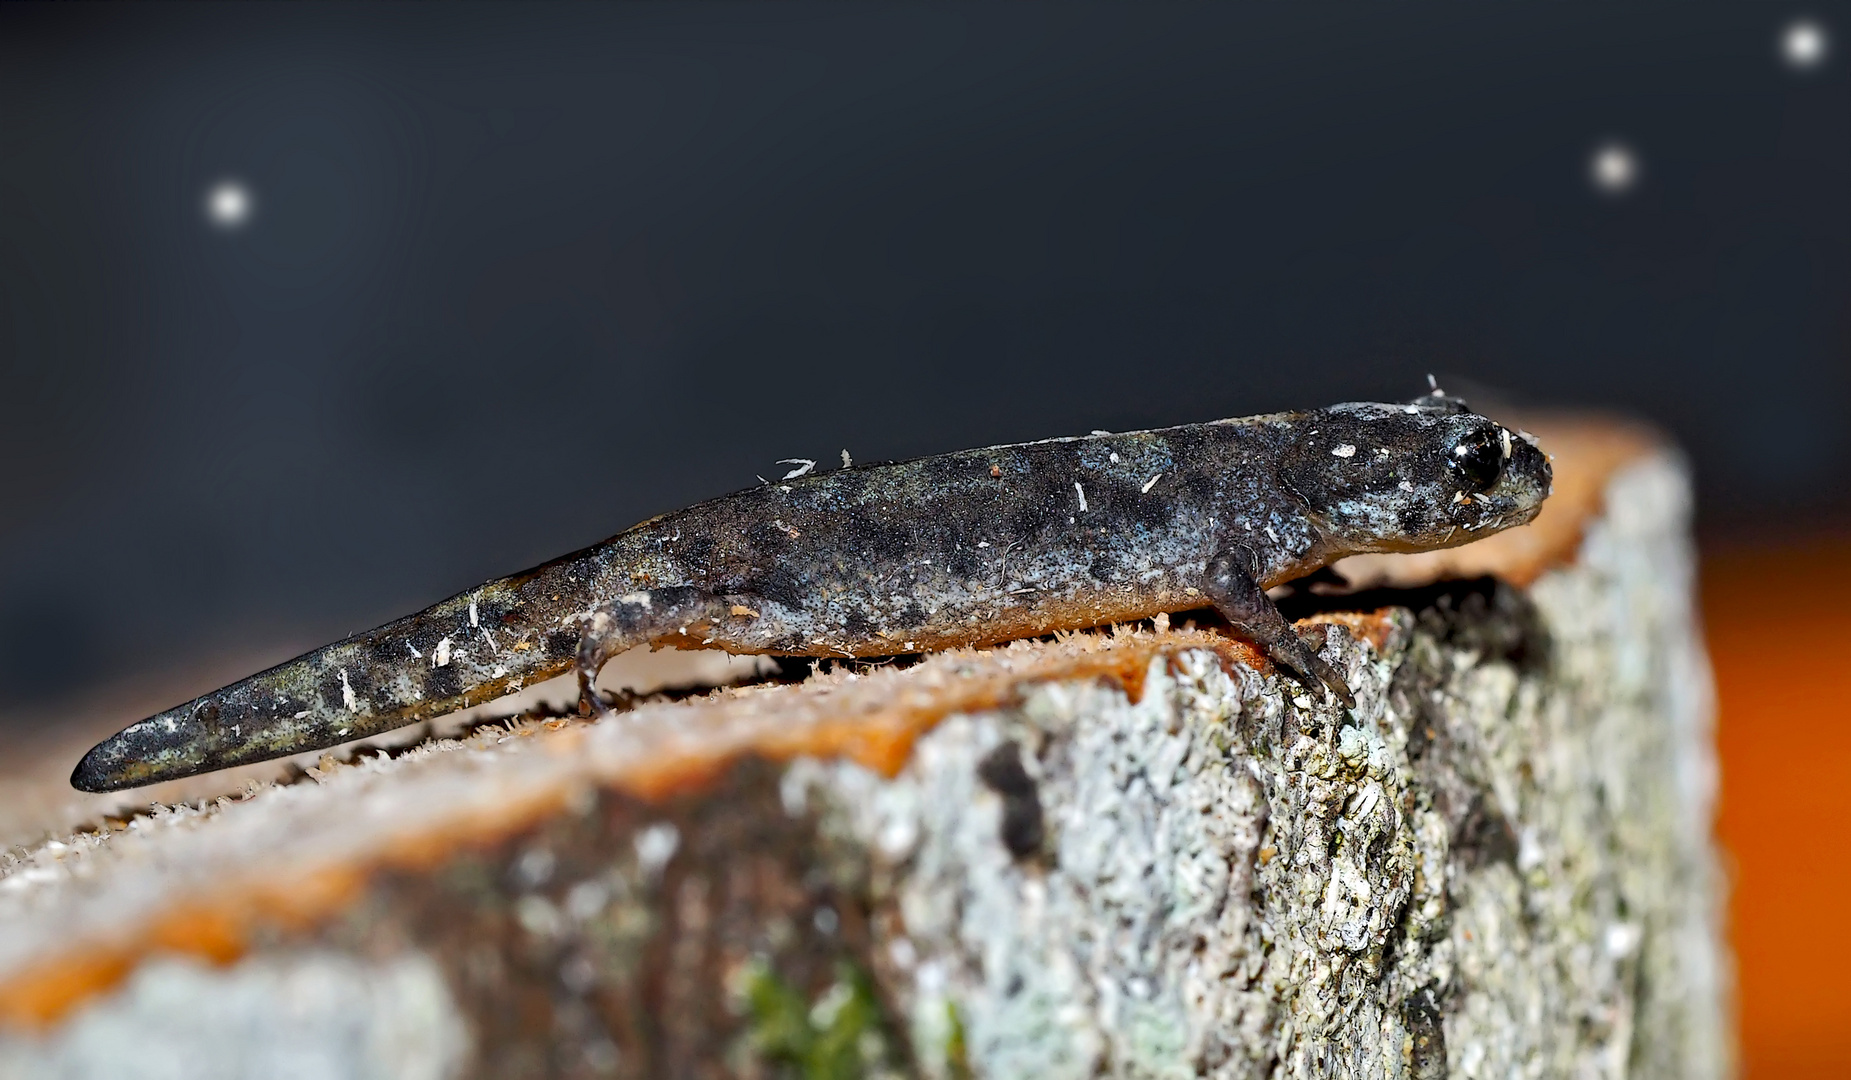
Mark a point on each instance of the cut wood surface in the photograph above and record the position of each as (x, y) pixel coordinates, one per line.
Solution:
(1136, 851)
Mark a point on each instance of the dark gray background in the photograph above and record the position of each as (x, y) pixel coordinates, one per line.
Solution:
(522, 276)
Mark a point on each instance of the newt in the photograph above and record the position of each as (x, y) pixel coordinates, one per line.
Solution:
(969, 548)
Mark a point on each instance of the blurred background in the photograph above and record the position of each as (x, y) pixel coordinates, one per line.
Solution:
(310, 316)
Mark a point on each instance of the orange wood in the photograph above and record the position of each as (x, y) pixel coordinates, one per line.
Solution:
(1778, 623)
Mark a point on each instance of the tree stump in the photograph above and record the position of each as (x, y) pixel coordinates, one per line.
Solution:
(1131, 852)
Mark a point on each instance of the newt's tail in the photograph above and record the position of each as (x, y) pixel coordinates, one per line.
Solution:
(467, 650)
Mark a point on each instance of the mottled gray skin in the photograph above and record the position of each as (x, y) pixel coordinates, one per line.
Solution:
(970, 548)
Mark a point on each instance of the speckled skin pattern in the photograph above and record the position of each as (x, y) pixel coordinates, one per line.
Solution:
(969, 548)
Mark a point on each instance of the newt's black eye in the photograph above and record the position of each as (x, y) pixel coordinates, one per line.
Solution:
(1478, 459)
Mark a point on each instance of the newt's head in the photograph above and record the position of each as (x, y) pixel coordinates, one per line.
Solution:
(1428, 474)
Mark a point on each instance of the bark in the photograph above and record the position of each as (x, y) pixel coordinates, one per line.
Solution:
(1131, 853)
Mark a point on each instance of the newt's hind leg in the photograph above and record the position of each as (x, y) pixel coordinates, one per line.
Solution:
(1230, 584)
(637, 618)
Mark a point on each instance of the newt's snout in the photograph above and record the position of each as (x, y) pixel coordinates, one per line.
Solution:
(1524, 479)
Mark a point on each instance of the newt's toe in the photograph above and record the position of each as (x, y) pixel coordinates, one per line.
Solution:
(1333, 681)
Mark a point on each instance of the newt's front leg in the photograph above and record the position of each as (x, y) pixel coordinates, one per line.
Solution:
(1229, 583)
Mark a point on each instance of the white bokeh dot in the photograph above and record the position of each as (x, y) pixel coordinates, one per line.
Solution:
(229, 204)
(1614, 168)
(1804, 44)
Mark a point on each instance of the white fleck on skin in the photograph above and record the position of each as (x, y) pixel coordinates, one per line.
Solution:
(637, 599)
(416, 655)
(473, 621)
(1504, 442)
(1405, 485)
(440, 657)
(491, 640)
(1082, 493)
(804, 465)
(303, 715)
(1114, 457)
(1271, 535)
(1148, 484)
(348, 698)
(846, 461)
(1344, 450)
